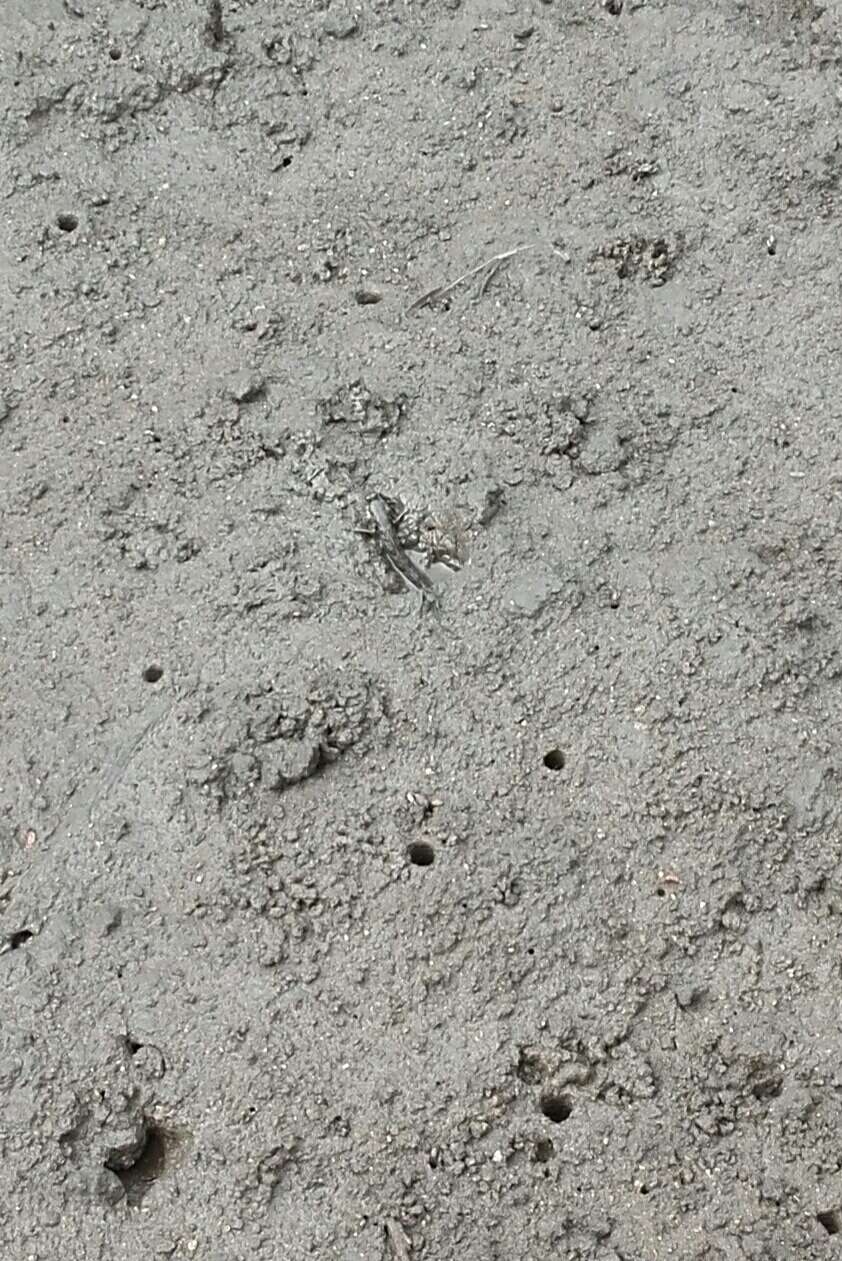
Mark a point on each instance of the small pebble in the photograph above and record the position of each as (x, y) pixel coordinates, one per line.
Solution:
(245, 386)
(340, 22)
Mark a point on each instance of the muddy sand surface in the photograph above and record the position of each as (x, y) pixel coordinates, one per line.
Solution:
(420, 630)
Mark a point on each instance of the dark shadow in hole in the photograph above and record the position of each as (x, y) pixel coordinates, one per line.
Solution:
(769, 1088)
(114, 54)
(660, 892)
(153, 674)
(831, 1219)
(67, 223)
(556, 1108)
(554, 760)
(544, 1150)
(20, 938)
(149, 1166)
(421, 854)
(133, 1047)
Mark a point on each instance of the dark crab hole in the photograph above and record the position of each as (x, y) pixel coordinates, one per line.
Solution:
(150, 1165)
(556, 1108)
(831, 1220)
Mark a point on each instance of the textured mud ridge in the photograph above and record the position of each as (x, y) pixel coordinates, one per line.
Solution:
(419, 621)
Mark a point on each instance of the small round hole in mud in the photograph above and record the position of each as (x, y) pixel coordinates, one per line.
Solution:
(153, 674)
(67, 223)
(660, 892)
(115, 54)
(421, 854)
(554, 760)
(556, 1108)
(544, 1150)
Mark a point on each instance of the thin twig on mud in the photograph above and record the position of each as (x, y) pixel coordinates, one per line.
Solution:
(396, 1235)
(490, 265)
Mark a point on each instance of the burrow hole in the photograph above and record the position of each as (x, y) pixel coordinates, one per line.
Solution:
(153, 674)
(554, 760)
(149, 1166)
(20, 938)
(544, 1150)
(421, 854)
(115, 54)
(67, 223)
(556, 1108)
(831, 1219)
(769, 1088)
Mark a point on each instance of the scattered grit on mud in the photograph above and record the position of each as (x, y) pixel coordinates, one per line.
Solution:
(419, 789)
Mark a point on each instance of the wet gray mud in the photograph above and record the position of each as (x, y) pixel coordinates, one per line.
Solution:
(491, 913)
